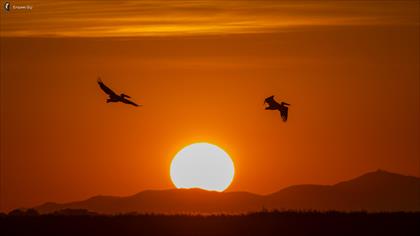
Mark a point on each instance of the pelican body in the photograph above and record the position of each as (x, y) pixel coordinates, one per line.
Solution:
(113, 97)
(281, 107)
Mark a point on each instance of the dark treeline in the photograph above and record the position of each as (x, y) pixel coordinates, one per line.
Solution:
(82, 222)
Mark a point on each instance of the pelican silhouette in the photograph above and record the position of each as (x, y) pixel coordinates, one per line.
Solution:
(282, 107)
(113, 97)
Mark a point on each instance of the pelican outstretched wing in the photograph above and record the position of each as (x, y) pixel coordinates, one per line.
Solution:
(106, 89)
(284, 111)
(126, 101)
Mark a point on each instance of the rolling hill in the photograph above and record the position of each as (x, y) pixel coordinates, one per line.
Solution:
(373, 191)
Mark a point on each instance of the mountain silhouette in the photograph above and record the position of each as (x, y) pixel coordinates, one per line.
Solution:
(374, 191)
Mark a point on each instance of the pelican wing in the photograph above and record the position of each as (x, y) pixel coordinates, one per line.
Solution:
(284, 111)
(126, 101)
(106, 89)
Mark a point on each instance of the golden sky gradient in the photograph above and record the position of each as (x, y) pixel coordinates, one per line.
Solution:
(202, 70)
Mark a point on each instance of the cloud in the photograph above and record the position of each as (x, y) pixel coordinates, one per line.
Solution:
(151, 18)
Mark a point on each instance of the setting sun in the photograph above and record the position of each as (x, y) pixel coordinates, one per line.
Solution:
(202, 165)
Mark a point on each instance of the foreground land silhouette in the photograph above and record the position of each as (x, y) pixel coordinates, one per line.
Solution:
(261, 223)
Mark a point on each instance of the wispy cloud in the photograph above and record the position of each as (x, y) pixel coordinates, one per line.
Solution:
(151, 18)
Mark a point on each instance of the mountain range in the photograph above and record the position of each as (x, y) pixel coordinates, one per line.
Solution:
(374, 192)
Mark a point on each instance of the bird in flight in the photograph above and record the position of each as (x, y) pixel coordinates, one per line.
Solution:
(113, 97)
(274, 105)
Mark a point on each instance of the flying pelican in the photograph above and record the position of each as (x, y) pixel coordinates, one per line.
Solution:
(282, 107)
(113, 97)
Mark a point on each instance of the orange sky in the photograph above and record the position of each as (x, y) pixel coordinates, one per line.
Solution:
(202, 70)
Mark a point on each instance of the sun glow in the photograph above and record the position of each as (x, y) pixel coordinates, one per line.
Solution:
(202, 165)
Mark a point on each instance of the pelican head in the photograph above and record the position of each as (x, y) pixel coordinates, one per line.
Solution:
(124, 96)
